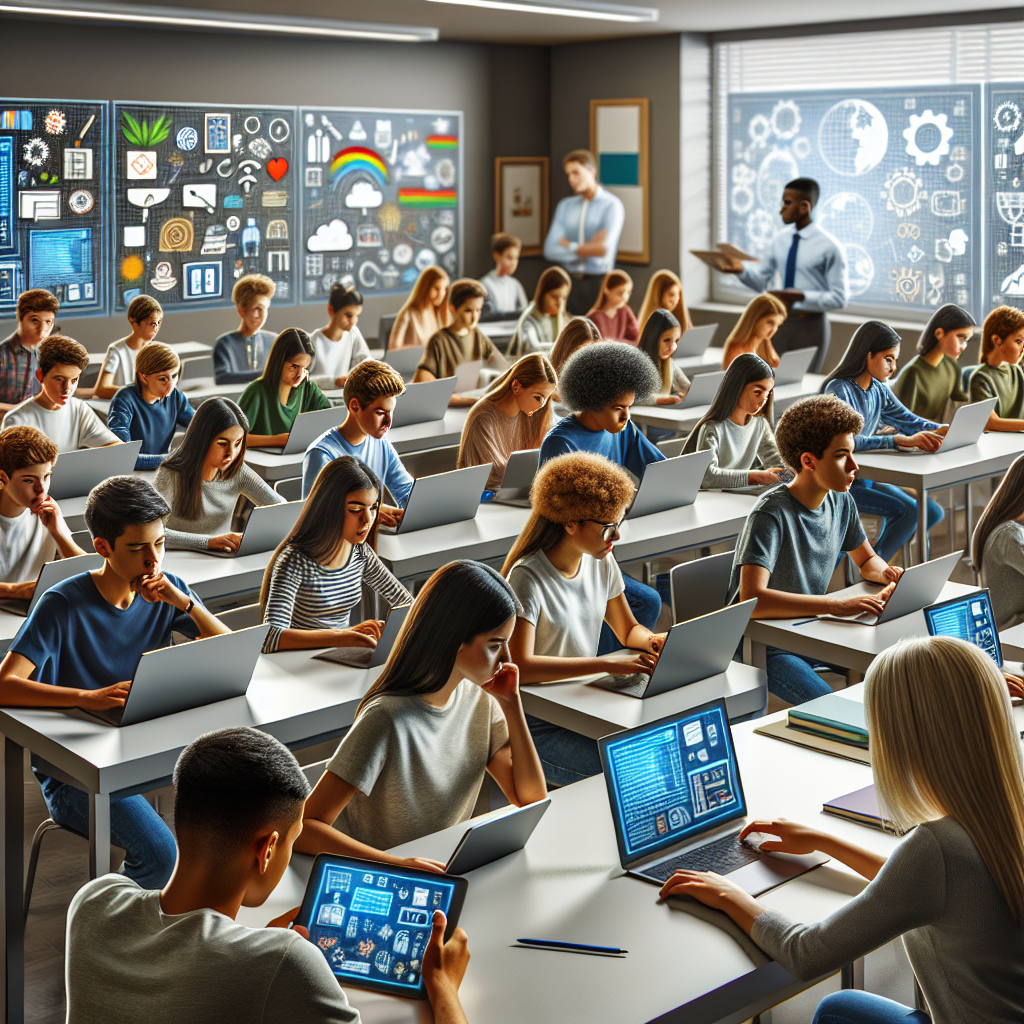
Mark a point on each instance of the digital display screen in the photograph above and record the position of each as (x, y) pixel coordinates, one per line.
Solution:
(968, 619)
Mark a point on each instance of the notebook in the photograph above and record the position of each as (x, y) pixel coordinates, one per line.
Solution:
(832, 717)
(861, 807)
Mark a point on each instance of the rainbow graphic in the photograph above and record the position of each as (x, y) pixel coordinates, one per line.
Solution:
(423, 197)
(442, 141)
(358, 158)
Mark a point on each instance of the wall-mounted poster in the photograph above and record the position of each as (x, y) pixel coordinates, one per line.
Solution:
(1004, 201)
(205, 194)
(380, 198)
(521, 200)
(53, 202)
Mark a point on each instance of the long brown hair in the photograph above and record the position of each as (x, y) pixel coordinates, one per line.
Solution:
(549, 280)
(579, 331)
(613, 279)
(660, 283)
(1006, 503)
(421, 290)
(759, 307)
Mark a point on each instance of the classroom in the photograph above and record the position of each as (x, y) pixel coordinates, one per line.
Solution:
(512, 510)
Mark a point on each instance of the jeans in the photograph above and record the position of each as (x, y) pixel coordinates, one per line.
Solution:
(852, 1006)
(134, 826)
(898, 512)
(793, 678)
(645, 603)
(566, 756)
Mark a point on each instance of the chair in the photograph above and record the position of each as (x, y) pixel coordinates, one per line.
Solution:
(965, 376)
(699, 586)
(672, 447)
(289, 488)
(387, 321)
(33, 860)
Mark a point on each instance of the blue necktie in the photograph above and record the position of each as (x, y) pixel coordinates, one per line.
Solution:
(790, 279)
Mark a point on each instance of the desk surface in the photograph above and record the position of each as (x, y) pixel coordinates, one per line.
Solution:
(73, 509)
(212, 576)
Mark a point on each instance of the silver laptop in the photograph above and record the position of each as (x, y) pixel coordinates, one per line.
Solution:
(919, 585)
(671, 483)
(308, 426)
(404, 360)
(695, 341)
(369, 657)
(443, 498)
(703, 388)
(966, 428)
(520, 470)
(495, 838)
(677, 803)
(423, 403)
(793, 366)
(189, 675)
(467, 375)
(77, 473)
(51, 574)
(265, 528)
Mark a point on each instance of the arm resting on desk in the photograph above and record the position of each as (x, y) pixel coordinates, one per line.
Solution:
(18, 691)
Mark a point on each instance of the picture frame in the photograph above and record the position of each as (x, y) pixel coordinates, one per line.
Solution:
(522, 200)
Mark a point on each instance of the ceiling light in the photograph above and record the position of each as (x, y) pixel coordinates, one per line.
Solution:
(565, 9)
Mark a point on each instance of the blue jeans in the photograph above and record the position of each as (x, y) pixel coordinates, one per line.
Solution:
(852, 1006)
(793, 678)
(645, 603)
(898, 511)
(566, 756)
(134, 826)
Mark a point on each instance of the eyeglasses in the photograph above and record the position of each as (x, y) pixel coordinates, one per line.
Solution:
(610, 531)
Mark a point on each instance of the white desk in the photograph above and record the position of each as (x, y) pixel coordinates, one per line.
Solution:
(211, 576)
(1012, 642)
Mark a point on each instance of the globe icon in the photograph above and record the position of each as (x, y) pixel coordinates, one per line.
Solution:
(848, 216)
(853, 137)
(776, 169)
(860, 269)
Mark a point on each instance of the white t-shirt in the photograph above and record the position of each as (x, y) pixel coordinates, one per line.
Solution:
(120, 361)
(25, 545)
(73, 427)
(567, 614)
(335, 359)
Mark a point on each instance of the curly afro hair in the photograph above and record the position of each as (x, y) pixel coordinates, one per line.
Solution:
(595, 376)
(580, 485)
(811, 424)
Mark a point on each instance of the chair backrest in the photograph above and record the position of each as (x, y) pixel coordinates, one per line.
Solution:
(699, 586)
(672, 447)
(290, 488)
(387, 321)
(965, 376)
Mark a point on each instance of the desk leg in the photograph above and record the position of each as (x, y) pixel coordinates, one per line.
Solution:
(922, 524)
(99, 834)
(14, 875)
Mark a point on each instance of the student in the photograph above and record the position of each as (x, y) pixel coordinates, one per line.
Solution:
(569, 588)
(371, 392)
(340, 345)
(1000, 374)
(754, 331)
(795, 534)
(67, 421)
(997, 549)
(81, 643)
(659, 340)
(317, 574)
(203, 478)
(665, 291)
(152, 408)
(445, 710)
(859, 380)
(506, 297)
(238, 804)
(32, 529)
(737, 429)
(36, 312)
(282, 391)
(425, 311)
(946, 759)
(545, 318)
(238, 356)
(579, 331)
(611, 314)
(145, 315)
(512, 415)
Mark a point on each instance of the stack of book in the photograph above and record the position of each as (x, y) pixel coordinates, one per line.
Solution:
(832, 718)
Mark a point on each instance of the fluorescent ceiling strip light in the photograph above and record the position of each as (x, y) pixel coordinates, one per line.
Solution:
(565, 9)
(220, 21)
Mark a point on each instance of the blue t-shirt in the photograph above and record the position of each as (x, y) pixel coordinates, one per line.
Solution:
(131, 417)
(76, 638)
(377, 453)
(629, 448)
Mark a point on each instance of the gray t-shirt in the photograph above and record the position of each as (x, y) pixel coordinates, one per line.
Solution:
(1002, 571)
(736, 450)
(128, 962)
(25, 545)
(798, 546)
(418, 768)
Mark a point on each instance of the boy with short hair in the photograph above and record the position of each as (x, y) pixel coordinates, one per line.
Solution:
(67, 421)
(340, 345)
(145, 315)
(797, 532)
(239, 356)
(179, 956)
(1000, 374)
(506, 297)
(82, 642)
(37, 312)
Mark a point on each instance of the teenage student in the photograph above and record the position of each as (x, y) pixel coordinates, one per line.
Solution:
(203, 478)
(754, 330)
(579, 331)
(1000, 374)
(659, 340)
(36, 313)
(67, 421)
(611, 312)
(445, 710)
(239, 356)
(569, 588)
(545, 318)
(339, 345)
(371, 392)
(152, 409)
(997, 548)
(512, 415)
(317, 574)
(795, 534)
(282, 391)
(238, 804)
(32, 529)
(145, 315)
(425, 311)
(665, 291)
(506, 297)
(945, 758)
(80, 645)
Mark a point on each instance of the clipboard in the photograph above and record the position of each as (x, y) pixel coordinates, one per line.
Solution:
(718, 257)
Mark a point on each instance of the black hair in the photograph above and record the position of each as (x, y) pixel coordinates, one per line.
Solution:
(805, 186)
(869, 339)
(292, 341)
(949, 317)
(596, 375)
(743, 370)
(231, 784)
(120, 502)
(342, 297)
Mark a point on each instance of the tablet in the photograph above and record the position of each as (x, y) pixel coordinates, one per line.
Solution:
(372, 921)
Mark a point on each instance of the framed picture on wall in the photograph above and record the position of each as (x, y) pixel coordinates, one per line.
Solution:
(521, 200)
(619, 141)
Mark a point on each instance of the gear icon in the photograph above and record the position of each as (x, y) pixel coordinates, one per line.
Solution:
(955, 172)
(904, 192)
(802, 147)
(759, 129)
(786, 119)
(1007, 117)
(742, 174)
(742, 199)
(760, 229)
(939, 149)
(35, 152)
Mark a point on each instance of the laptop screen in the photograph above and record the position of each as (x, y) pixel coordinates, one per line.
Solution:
(968, 618)
(671, 780)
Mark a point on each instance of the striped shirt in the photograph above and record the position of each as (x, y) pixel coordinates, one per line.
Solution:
(306, 595)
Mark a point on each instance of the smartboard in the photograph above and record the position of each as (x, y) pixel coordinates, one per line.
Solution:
(1004, 197)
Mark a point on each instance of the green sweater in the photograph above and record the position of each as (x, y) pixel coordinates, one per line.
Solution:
(267, 415)
(1005, 382)
(925, 389)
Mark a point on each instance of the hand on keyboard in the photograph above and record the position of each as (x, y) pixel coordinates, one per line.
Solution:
(625, 663)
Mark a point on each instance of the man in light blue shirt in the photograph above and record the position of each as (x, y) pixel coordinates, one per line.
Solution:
(585, 231)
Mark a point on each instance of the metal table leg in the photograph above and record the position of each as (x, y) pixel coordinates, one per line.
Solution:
(922, 525)
(14, 873)
(99, 834)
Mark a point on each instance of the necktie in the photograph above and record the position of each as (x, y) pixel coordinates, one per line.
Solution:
(790, 279)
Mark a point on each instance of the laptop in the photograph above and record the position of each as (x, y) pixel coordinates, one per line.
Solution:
(467, 376)
(404, 360)
(77, 473)
(495, 838)
(918, 586)
(694, 650)
(369, 657)
(443, 498)
(50, 574)
(677, 802)
(189, 675)
(966, 428)
(671, 483)
(794, 365)
(265, 528)
(695, 341)
(520, 470)
(308, 426)
(424, 402)
(703, 388)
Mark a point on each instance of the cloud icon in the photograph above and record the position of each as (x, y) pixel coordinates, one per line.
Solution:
(333, 237)
(363, 196)
(958, 241)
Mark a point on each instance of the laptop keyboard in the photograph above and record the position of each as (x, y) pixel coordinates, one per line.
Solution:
(632, 685)
(723, 855)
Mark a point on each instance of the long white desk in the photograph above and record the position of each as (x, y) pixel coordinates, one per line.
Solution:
(73, 509)
(211, 576)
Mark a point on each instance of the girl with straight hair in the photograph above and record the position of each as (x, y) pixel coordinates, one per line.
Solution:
(611, 312)
(659, 340)
(755, 329)
(579, 331)
(203, 478)
(946, 758)
(665, 291)
(997, 548)
(1000, 375)
(424, 313)
(545, 318)
(445, 710)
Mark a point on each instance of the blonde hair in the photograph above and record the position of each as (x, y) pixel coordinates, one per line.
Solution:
(579, 331)
(421, 291)
(156, 357)
(613, 279)
(660, 283)
(944, 742)
(759, 307)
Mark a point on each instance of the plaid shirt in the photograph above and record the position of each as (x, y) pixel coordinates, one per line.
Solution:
(17, 371)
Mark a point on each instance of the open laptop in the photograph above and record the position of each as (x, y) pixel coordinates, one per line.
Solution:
(495, 838)
(308, 426)
(918, 586)
(77, 473)
(966, 428)
(693, 650)
(49, 575)
(695, 341)
(265, 528)
(190, 675)
(443, 498)
(671, 483)
(677, 802)
(793, 366)
(467, 375)
(369, 657)
(423, 403)
(404, 360)
(703, 388)
(520, 470)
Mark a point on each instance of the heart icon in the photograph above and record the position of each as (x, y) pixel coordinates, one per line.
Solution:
(277, 168)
